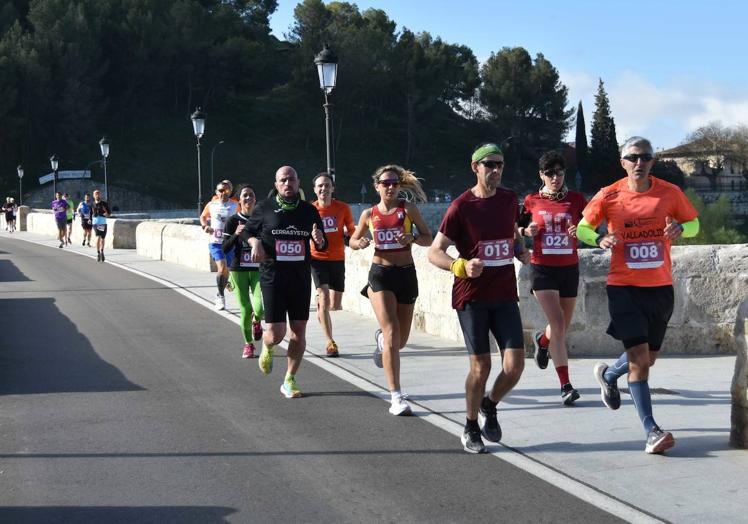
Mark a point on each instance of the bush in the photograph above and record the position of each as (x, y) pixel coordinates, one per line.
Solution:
(716, 221)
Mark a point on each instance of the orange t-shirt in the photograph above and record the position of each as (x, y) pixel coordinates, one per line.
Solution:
(642, 255)
(335, 217)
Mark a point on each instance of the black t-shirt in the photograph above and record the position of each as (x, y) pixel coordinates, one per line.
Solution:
(232, 240)
(285, 236)
(100, 209)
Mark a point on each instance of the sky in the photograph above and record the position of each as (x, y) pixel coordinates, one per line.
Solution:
(668, 67)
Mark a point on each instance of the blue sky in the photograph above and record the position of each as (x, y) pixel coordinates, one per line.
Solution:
(668, 66)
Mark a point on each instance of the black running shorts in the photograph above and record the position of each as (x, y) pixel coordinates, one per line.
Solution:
(329, 273)
(564, 279)
(640, 315)
(61, 223)
(287, 296)
(100, 230)
(502, 319)
(400, 280)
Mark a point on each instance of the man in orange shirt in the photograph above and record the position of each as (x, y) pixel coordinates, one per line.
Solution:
(328, 267)
(644, 215)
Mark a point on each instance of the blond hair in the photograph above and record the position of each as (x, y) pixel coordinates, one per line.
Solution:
(409, 183)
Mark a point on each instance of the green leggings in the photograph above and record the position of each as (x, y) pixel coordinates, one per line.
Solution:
(247, 288)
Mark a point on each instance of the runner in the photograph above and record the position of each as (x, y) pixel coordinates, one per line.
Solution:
(555, 212)
(482, 224)
(243, 273)
(59, 208)
(9, 216)
(213, 221)
(70, 216)
(98, 219)
(392, 286)
(14, 208)
(85, 211)
(644, 215)
(278, 232)
(328, 267)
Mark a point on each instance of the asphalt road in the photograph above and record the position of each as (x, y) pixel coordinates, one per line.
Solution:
(123, 401)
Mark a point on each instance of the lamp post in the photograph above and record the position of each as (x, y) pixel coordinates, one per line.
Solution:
(212, 151)
(327, 69)
(104, 145)
(54, 161)
(20, 184)
(198, 126)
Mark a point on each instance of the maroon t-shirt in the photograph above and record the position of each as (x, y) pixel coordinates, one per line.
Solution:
(484, 228)
(552, 246)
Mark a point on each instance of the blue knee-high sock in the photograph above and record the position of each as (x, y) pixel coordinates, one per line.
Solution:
(643, 402)
(619, 368)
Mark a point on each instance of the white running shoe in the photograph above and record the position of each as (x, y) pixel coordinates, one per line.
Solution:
(400, 407)
(220, 303)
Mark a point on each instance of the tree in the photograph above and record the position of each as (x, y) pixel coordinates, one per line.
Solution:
(605, 165)
(716, 220)
(580, 143)
(526, 100)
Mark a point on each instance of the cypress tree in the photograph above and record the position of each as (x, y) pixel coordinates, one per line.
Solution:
(604, 163)
(581, 145)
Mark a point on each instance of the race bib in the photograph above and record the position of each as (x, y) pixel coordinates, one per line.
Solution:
(100, 227)
(245, 259)
(555, 244)
(496, 252)
(644, 255)
(386, 238)
(290, 250)
(330, 224)
(218, 235)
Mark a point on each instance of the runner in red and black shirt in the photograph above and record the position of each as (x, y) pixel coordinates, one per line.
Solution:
(554, 213)
(482, 224)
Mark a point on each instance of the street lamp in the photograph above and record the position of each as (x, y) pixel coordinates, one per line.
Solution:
(198, 126)
(327, 69)
(211, 161)
(104, 144)
(54, 161)
(20, 185)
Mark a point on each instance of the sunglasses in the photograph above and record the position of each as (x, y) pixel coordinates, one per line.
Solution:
(554, 173)
(389, 183)
(646, 157)
(491, 164)
(223, 190)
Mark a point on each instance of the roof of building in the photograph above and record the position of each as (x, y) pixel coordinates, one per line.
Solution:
(696, 147)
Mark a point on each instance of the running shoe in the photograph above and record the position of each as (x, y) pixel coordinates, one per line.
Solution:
(257, 329)
(541, 352)
(659, 441)
(84, 243)
(220, 303)
(332, 349)
(400, 407)
(378, 351)
(608, 392)
(471, 441)
(249, 351)
(290, 389)
(569, 394)
(266, 359)
(489, 423)
(61, 244)
(102, 256)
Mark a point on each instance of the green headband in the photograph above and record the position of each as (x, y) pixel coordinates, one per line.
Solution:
(485, 150)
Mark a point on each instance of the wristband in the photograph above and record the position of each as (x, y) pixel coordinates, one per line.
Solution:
(522, 231)
(599, 239)
(458, 268)
(518, 249)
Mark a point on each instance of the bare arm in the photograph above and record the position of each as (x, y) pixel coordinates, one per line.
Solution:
(424, 233)
(358, 239)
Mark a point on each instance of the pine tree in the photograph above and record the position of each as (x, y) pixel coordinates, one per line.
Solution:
(581, 145)
(604, 164)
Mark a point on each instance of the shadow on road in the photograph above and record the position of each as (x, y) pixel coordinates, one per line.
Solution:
(41, 351)
(10, 273)
(113, 514)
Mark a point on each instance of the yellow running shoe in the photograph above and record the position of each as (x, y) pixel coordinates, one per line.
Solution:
(289, 388)
(266, 359)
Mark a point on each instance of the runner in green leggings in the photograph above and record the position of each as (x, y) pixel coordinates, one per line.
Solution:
(243, 273)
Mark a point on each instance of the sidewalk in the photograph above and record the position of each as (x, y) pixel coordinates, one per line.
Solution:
(581, 447)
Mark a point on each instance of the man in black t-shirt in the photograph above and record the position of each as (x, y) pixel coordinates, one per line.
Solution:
(279, 232)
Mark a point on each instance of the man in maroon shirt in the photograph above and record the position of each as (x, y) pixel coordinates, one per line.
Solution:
(482, 224)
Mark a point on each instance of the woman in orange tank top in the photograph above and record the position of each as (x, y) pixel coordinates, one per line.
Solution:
(392, 286)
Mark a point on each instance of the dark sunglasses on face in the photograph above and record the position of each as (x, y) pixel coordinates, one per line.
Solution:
(389, 183)
(223, 190)
(551, 173)
(491, 164)
(633, 158)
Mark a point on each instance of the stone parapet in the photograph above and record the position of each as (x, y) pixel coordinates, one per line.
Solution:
(739, 389)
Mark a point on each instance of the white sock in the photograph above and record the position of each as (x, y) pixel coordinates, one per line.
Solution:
(380, 339)
(396, 395)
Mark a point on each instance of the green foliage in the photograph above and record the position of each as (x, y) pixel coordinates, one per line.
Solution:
(669, 171)
(582, 150)
(605, 165)
(717, 225)
(74, 70)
